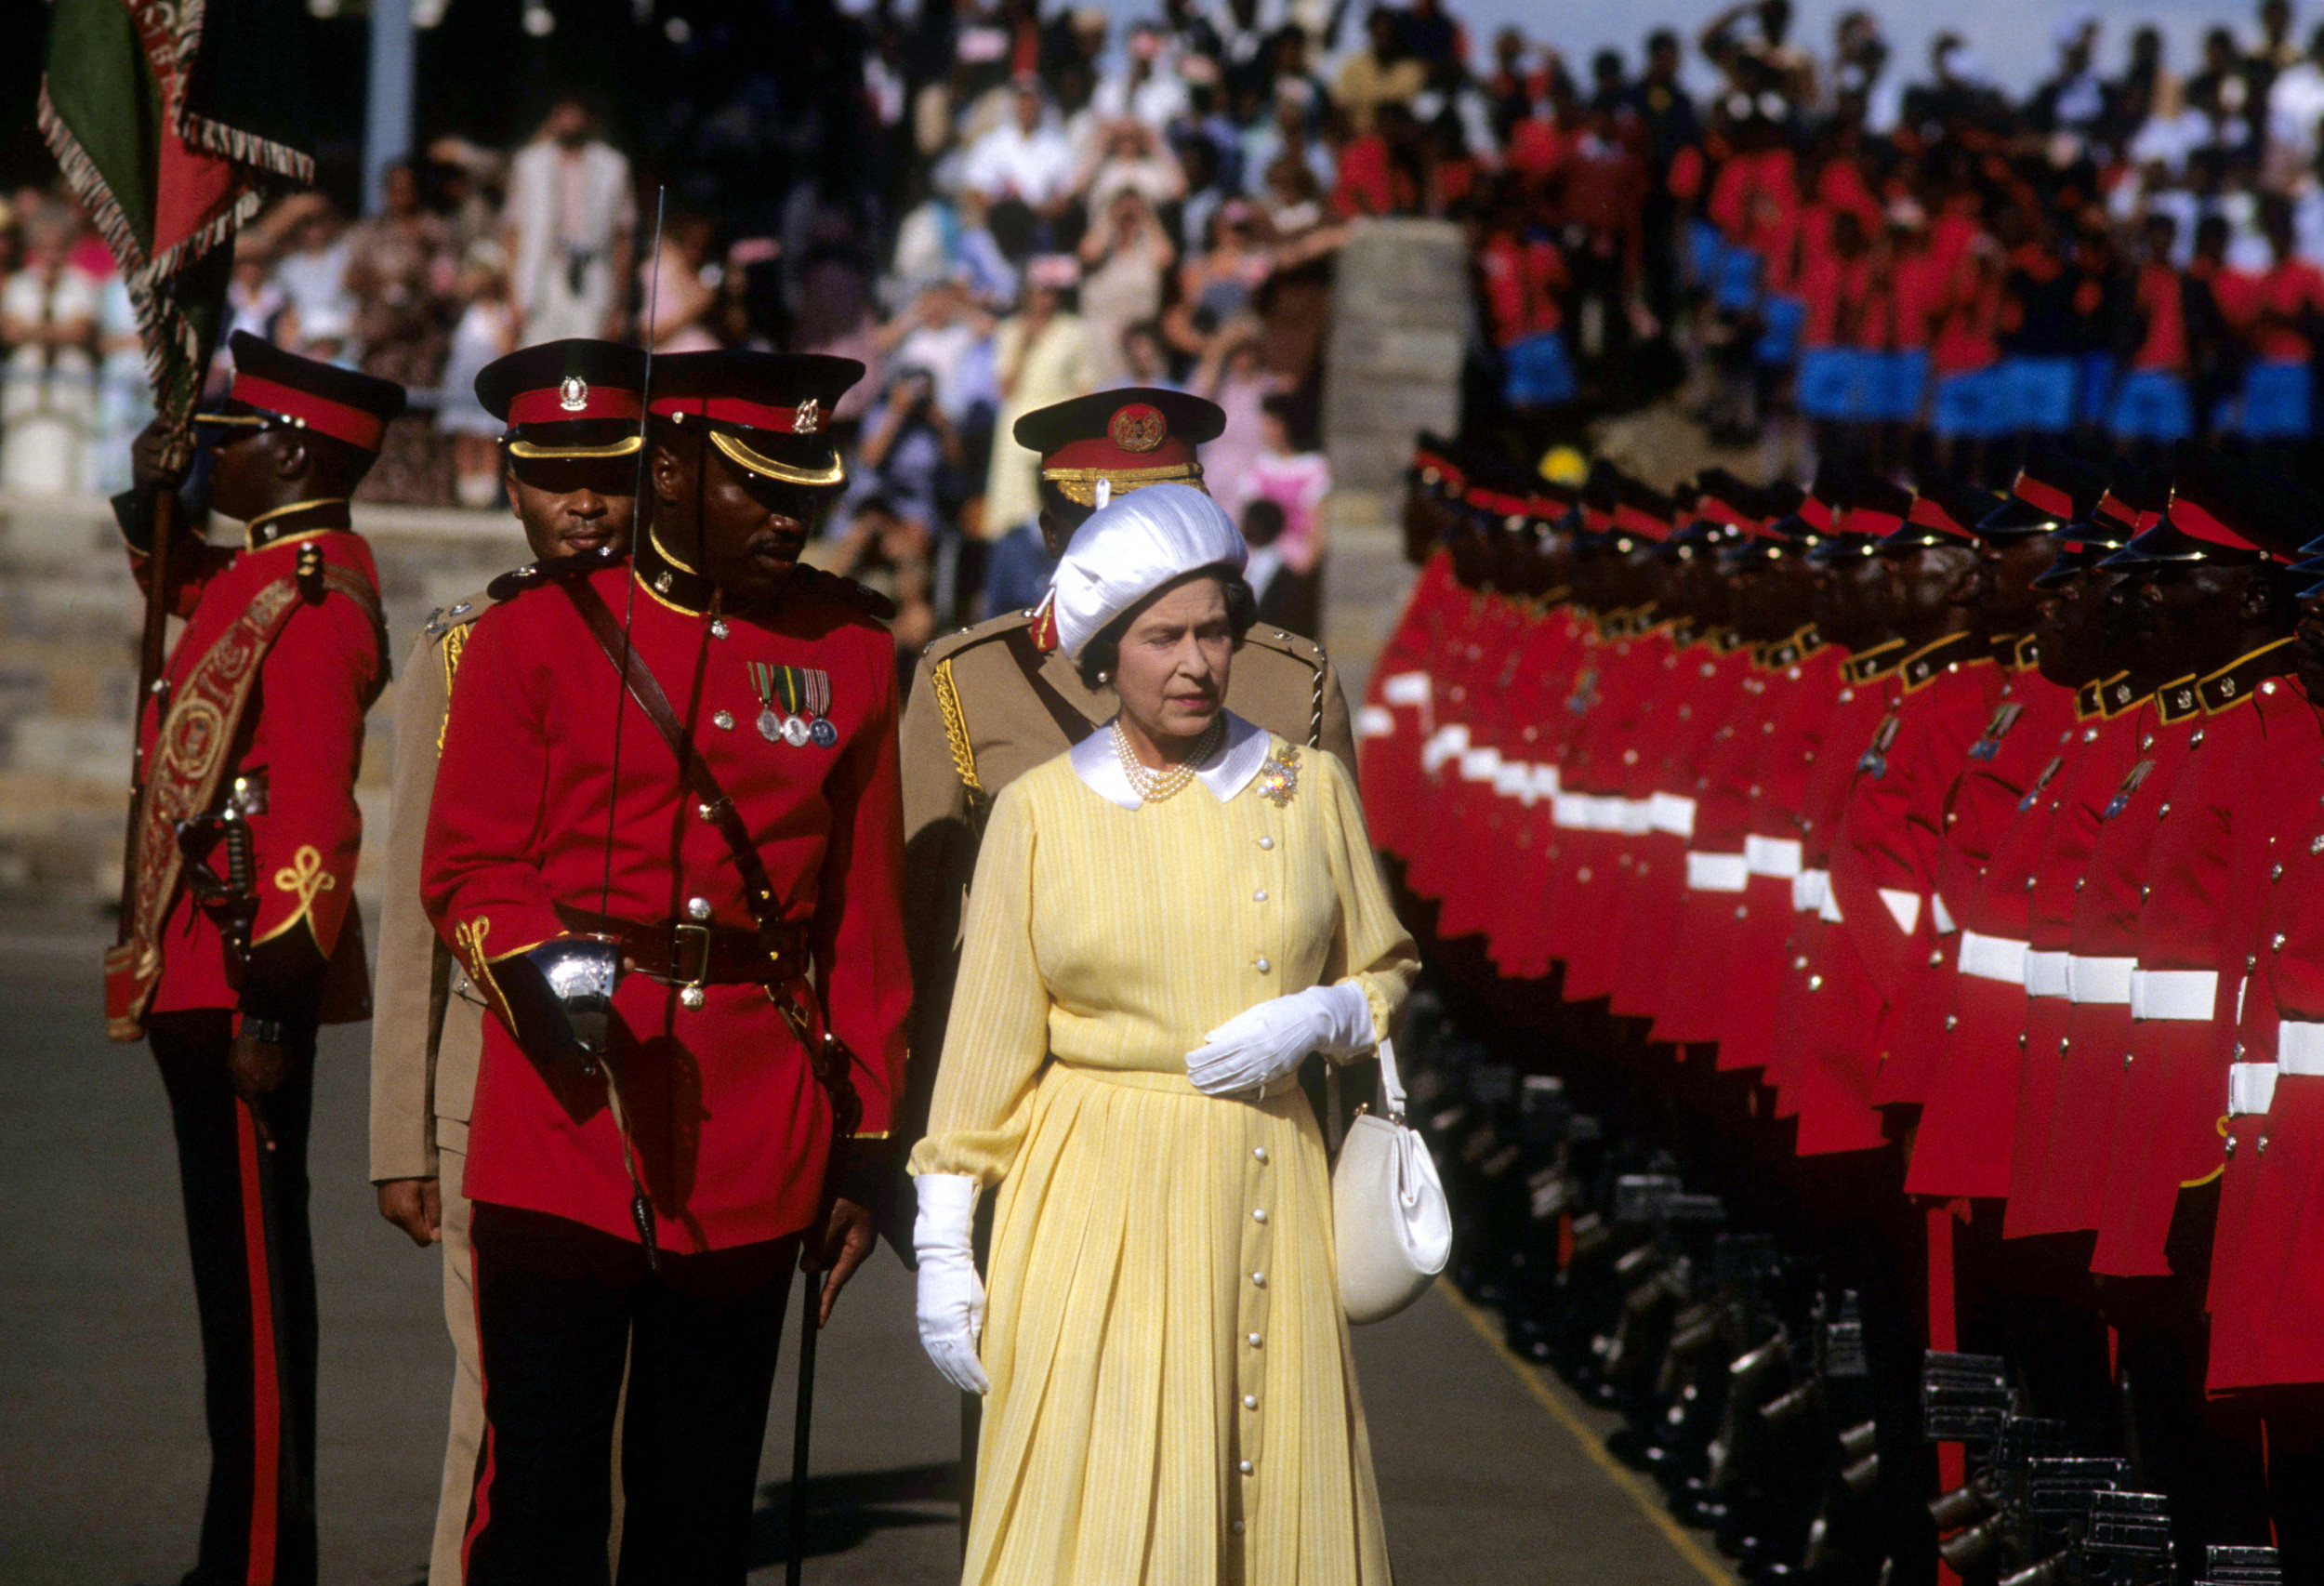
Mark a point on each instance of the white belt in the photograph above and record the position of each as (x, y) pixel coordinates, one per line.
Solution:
(1993, 958)
(1605, 812)
(2099, 980)
(1637, 817)
(1375, 721)
(1776, 856)
(1941, 916)
(2046, 975)
(1903, 908)
(1478, 765)
(1569, 809)
(1809, 889)
(1717, 873)
(2251, 1088)
(1514, 779)
(1445, 743)
(2173, 994)
(1672, 813)
(1545, 782)
(2299, 1049)
(1404, 687)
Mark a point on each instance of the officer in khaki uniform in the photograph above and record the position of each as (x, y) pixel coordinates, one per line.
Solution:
(573, 411)
(991, 702)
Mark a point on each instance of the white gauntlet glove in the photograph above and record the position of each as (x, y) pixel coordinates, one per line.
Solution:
(951, 1296)
(1266, 1042)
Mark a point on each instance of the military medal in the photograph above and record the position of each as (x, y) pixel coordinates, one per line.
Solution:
(795, 704)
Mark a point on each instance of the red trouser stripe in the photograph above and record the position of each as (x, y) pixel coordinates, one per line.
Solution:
(265, 1369)
(480, 1499)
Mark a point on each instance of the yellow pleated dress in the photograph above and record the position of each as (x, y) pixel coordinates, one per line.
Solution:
(1172, 1397)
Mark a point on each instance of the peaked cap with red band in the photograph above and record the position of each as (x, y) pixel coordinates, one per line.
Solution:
(1642, 511)
(1866, 508)
(1945, 511)
(1722, 498)
(2228, 513)
(2051, 489)
(278, 389)
(578, 398)
(767, 413)
(1130, 437)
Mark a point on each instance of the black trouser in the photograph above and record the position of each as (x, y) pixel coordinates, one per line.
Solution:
(253, 1281)
(557, 1305)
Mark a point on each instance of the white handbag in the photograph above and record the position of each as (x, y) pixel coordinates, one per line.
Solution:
(1389, 1218)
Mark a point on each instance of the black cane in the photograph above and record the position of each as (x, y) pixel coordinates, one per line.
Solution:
(803, 1428)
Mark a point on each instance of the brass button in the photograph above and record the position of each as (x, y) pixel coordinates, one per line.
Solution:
(724, 720)
(1952, 1021)
(718, 628)
(697, 908)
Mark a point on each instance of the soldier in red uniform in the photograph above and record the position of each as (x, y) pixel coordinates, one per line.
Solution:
(683, 902)
(238, 937)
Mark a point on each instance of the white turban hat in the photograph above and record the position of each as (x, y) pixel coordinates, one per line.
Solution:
(1128, 549)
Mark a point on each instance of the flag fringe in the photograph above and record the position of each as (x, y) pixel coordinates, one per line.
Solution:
(88, 185)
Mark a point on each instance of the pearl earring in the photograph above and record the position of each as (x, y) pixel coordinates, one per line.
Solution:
(1106, 677)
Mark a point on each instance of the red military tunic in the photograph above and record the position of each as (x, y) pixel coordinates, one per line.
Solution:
(1470, 803)
(2173, 1097)
(2266, 1296)
(1555, 704)
(1397, 715)
(731, 1126)
(2102, 944)
(299, 747)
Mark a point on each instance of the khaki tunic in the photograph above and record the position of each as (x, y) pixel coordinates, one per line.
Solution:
(974, 723)
(427, 1031)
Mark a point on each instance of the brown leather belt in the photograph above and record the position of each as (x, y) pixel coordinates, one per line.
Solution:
(688, 954)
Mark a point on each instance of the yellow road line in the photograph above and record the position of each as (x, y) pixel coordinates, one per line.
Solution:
(1554, 1398)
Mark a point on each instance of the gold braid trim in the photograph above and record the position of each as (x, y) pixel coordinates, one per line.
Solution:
(454, 639)
(956, 725)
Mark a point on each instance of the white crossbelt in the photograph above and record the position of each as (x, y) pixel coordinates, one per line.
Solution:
(1775, 856)
(2251, 1088)
(1903, 908)
(1443, 744)
(1809, 889)
(2300, 1048)
(2099, 980)
(1478, 765)
(2046, 975)
(1404, 687)
(1672, 813)
(1375, 721)
(1941, 916)
(1717, 873)
(1993, 958)
(2173, 994)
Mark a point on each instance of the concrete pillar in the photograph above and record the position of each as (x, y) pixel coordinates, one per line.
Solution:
(1400, 319)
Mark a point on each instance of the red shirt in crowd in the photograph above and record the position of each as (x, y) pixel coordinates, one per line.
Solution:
(2267, 308)
(2163, 306)
(1968, 318)
(1523, 277)
(1756, 200)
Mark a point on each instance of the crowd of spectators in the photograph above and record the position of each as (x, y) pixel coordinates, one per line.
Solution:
(1811, 252)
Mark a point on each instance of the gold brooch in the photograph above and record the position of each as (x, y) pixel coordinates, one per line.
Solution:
(1279, 778)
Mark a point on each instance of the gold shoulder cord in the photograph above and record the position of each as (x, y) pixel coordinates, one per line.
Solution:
(956, 725)
(453, 638)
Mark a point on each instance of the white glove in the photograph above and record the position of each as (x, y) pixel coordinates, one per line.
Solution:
(1266, 1042)
(952, 1296)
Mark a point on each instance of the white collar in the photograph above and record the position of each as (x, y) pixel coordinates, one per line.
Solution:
(1242, 750)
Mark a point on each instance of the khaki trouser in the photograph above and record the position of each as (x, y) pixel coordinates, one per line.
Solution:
(467, 1434)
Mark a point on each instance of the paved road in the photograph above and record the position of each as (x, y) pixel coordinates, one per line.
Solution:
(1483, 1475)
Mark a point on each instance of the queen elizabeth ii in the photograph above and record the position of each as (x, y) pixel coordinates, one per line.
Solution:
(1166, 922)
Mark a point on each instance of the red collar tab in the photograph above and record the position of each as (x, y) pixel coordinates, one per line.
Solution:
(319, 414)
(574, 398)
(2047, 499)
(803, 418)
(1044, 624)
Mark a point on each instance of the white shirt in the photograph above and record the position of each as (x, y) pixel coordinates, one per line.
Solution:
(1036, 167)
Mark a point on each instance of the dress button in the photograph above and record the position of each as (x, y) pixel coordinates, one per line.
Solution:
(1255, 1341)
(1262, 966)
(697, 908)
(1238, 1527)
(1816, 983)
(1247, 1467)
(1251, 1401)
(724, 720)
(1260, 895)
(2275, 873)
(1936, 958)
(1259, 1152)
(1259, 1215)
(1952, 1021)
(1259, 1280)
(718, 628)
(2163, 810)
(2276, 941)
(1266, 842)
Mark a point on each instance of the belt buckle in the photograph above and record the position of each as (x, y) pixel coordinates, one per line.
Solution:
(680, 936)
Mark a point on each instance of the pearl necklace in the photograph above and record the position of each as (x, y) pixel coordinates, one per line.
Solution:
(1153, 787)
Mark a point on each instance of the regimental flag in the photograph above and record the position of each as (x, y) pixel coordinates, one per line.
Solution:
(175, 121)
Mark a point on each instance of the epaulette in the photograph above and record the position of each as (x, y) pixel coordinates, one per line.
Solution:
(846, 592)
(945, 645)
(556, 570)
